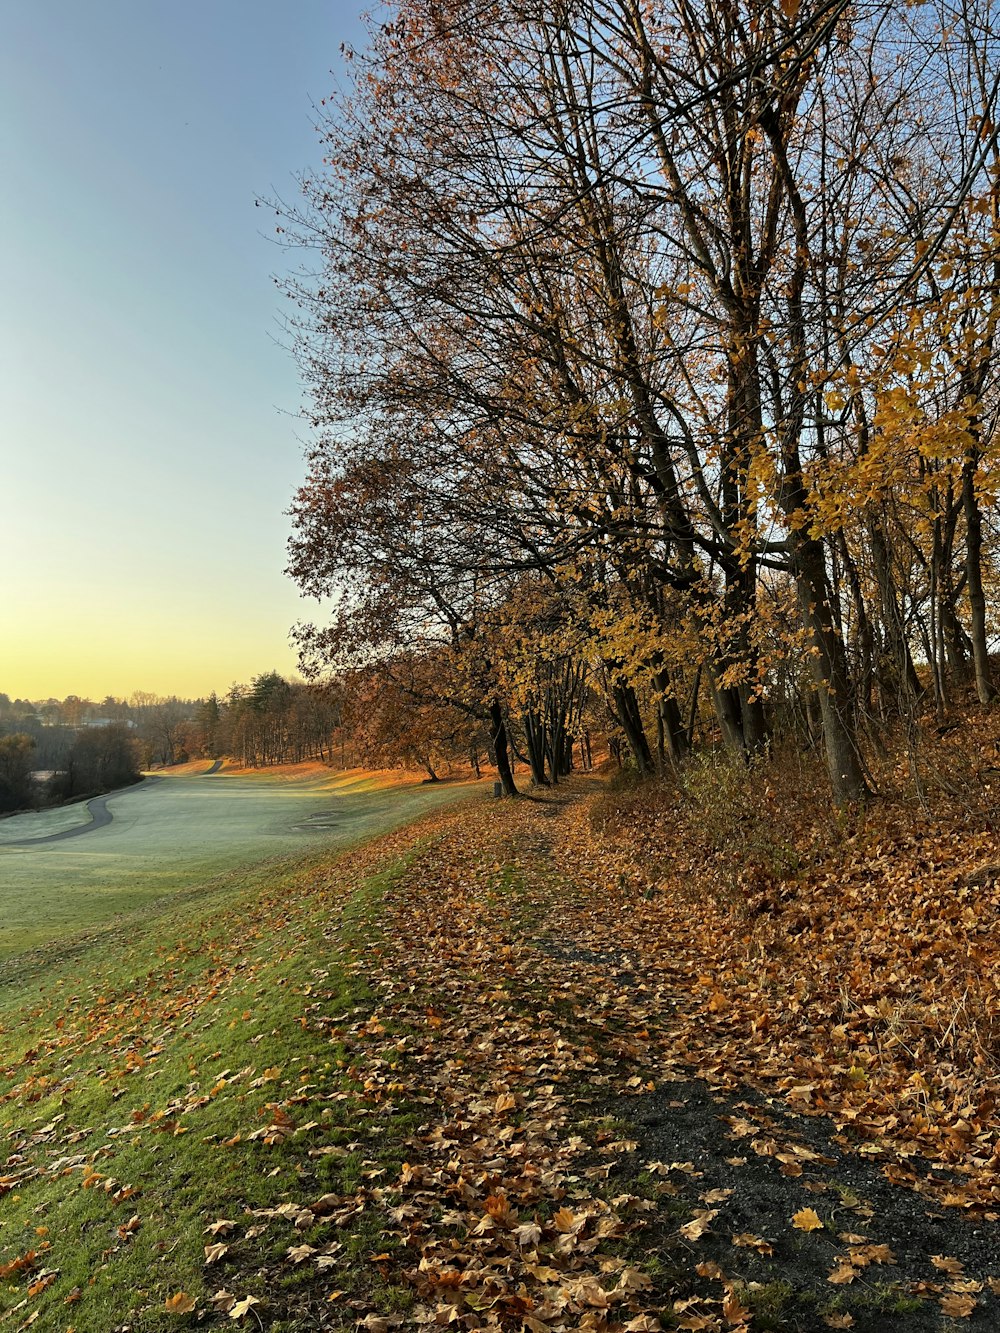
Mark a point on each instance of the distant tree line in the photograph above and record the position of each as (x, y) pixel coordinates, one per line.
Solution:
(410, 712)
(53, 750)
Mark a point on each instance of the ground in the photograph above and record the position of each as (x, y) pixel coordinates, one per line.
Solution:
(468, 1075)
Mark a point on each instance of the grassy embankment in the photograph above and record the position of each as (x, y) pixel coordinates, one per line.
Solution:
(150, 1071)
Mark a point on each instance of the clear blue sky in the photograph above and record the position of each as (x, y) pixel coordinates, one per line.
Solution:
(148, 440)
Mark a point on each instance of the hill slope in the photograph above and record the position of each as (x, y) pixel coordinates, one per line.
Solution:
(480, 1073)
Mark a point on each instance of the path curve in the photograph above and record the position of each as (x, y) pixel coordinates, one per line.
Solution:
(100, 816)
(214, 769)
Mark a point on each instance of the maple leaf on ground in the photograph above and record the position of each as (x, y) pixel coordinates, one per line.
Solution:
(244, 1307)
(298, 1253)
(566, 1220)
(716, 1196)
(946, 1264)
(839, 1320)
(746, 1240)
(699, 1224)
(527, 1234)
(633, 1279)
(843, 1273)
(807, 1219)
(179, 1303)
(957, 1306)
(213, 1253)
(734, 1309)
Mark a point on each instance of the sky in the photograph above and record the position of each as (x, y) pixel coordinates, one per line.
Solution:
(149, 438)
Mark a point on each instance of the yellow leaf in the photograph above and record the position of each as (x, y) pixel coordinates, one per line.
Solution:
(243, 1307)
(699, 1224)
(565, 1220)
(944, 1263)
(807, 1219)
(733, 1309)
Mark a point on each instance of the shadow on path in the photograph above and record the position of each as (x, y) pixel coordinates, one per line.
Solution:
(100, 816)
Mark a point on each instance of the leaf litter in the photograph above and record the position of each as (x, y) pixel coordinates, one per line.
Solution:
(620, 1115)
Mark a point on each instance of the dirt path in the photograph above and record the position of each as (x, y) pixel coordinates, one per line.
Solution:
(594, 1173)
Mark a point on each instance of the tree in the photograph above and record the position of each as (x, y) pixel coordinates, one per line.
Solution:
(16, 788)
(612, 295)
(100, 759)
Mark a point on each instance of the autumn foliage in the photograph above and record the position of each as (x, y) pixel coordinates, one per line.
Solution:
(655, 347)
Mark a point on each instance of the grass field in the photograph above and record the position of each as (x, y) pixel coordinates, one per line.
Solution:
(174, 834)
(152, 1057)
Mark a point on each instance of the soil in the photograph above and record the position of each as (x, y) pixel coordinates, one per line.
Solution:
(701, 1140)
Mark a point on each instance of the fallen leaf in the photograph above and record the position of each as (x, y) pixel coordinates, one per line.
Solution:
(957, 1306)
(807, 1219)
(180, 1303)
(244, 1307)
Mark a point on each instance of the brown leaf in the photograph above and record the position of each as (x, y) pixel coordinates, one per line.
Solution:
(696, 1228)
(180, 1303)
(957, 1306)
(746, 1240)
(843, 1273)
(733, 1309)
(946, 1264)
(566, 1220)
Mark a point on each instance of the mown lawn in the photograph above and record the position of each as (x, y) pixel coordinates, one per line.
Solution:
(176, 834)
(165, 1078)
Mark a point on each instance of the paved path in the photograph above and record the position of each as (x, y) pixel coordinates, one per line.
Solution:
(214, 769)
(100, 815)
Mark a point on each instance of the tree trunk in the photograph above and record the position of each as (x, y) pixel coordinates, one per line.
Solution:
(671, 730)
(630, 720)
(829, 670)
(726, 701)
(501, 750)
(534, 737)
(974, 578)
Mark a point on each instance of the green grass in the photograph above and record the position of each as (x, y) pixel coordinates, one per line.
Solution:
(148, 1062)
(180, 832)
